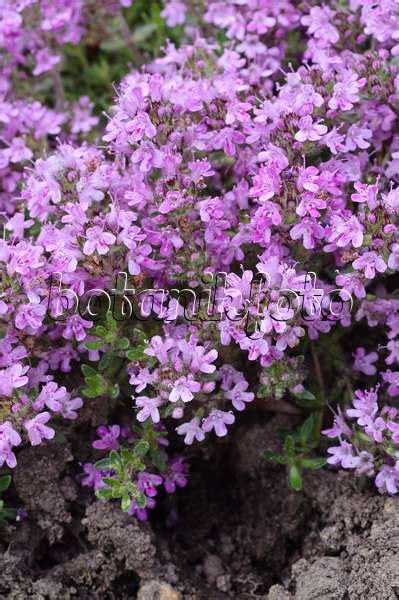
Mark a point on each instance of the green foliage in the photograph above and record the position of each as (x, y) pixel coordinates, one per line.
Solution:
(6, 514)
(124, 465)
(296, 452)
(111, 48)
(117, 350)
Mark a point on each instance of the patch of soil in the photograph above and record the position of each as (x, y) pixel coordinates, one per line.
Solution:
(235, 532)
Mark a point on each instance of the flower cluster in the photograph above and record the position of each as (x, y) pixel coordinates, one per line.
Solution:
(369, 446)
(264, 146)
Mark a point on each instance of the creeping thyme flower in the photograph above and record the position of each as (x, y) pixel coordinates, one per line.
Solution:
(217, 162)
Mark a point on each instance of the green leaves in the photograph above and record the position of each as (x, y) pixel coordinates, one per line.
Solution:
(96, 385)
(296, 449)
(6, 514)
(124, 465)
(307, 400)
(294, 478)
(5, 482)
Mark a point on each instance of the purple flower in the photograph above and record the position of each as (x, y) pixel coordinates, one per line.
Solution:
(340, 427)
(387, 479)
(8, 438)
(98, 240)
(12, 378)
(365, 406)
(37, 430)
(239, 396)
(342, 455)
(75, 328)
(308, 130)
(183, 389)
(217, 420)
(177, 476)
(374, 428)
(108, 438)
(93, 477)
(369, 263)
(364, 362)
(365, 464)
(70, 406)
(174, 13)
(191, 431)
(148, 483)
(149, 408)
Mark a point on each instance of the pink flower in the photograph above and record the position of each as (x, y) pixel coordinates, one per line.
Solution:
(217, 420)
(369, 263)
(76, 328)
(174, 13)
(346, 93)
(183, 389)
(52, 396)
(239, 396)
(8, 438)
(342, 455)
(310, 131)
(346, 231)
(340, 427)
(192, 431)
(364, 362)
(108, 438)
(70, 406)
(149, 409)
(30, 316)
(309, 230)
(366, 194)
(11, 378)
(393, 260)
(365, 407)
(374, 428)
(387, 479)
(98, 240)
(37, 430)
(147, 483)
(318, 23)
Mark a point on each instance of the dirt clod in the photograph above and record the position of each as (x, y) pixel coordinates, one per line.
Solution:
(156, 590)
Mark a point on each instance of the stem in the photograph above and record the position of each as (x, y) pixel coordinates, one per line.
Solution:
(318, 371)
(138, 58)
(60, 100)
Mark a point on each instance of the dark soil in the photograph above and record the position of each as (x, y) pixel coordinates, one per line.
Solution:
(236, 532)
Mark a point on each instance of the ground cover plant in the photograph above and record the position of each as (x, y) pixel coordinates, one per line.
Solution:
(199, 206)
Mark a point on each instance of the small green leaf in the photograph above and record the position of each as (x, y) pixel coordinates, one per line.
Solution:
(96, 385)
(143, 32)
(125, 502)
(104, 464)
(88, 371)
(5, 483)
(106, 360)
(289, 445)
(100, 331)
(141, 448)
(306, 430)
(94, 345)
(313, 463)
(136, 353)
(294, 478)
(122, 344)
(274, 457)
(115, 459)
(140, 498)
(104, 493)
(110, 481)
